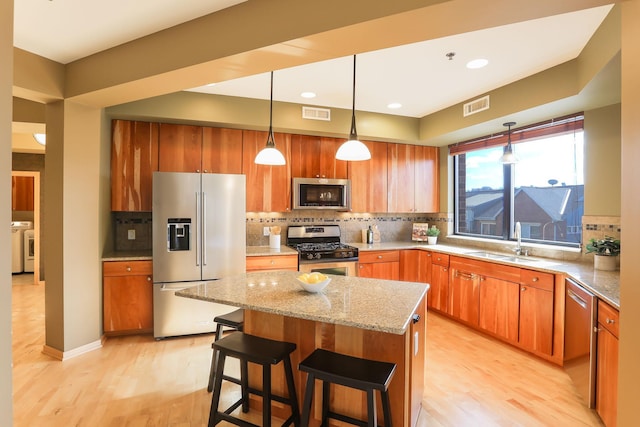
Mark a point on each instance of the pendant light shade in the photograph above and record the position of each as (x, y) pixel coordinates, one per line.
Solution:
(353, 149)
(508, 157)
(270, 155)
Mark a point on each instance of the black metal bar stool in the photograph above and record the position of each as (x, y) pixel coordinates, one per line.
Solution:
(349, 371)
(262, 351)
(233, 320)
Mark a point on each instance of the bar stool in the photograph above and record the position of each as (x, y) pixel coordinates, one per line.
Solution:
(262, 351)
(349, 371)
(235, 321)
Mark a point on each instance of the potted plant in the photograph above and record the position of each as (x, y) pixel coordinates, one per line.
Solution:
(432, 235)
(605, 252)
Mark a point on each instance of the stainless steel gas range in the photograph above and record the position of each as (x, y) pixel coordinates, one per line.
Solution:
(320, 249)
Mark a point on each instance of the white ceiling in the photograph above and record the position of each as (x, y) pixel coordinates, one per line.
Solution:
(419, 76)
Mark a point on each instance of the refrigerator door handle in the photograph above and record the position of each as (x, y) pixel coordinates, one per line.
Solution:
(204, 228)
(197, 229)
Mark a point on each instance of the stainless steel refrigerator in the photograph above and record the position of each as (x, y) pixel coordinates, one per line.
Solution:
(198, 235)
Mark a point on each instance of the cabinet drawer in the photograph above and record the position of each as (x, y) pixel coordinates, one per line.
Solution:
(378, 256)
(537, 279)
(440, 259)
(280, 262)
(609, 317)
(127, 268)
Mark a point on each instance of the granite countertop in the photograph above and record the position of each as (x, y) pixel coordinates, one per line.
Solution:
(604, 284)
(268, 251)
(349, 301)
(127, 256)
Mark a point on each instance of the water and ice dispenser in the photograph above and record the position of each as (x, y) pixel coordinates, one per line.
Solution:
(179, 234)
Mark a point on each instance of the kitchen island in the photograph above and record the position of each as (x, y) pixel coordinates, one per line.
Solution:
(375, 319)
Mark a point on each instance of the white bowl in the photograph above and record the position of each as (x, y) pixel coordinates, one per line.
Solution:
(314, 287)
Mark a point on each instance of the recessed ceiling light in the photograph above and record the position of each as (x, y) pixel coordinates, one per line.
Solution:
(308, 95)
(394, 105)
(477, 63)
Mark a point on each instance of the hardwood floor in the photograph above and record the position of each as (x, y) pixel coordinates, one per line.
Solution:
(471, 380)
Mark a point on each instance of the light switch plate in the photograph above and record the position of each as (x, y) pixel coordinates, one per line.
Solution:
(131, 234)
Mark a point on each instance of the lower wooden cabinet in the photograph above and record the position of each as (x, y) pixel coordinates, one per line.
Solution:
(607, 364)
(439, 281)
(277, 262)
(379, 265)
(499, 308)
(536, 311)
(128, 297)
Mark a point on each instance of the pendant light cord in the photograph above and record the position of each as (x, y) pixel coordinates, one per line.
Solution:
(354, 134)
(270, 138)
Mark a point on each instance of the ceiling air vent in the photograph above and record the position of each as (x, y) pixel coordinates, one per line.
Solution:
(313, 113)
(475, 106)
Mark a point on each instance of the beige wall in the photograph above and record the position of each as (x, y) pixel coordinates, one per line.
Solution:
(6, 84)
(602, 161)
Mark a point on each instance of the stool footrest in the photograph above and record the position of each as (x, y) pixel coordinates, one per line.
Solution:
(346, 419)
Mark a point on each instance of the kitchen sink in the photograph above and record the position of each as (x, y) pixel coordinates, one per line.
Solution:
(490, 255)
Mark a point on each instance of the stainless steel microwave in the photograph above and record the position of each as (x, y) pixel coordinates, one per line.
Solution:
(321, 193)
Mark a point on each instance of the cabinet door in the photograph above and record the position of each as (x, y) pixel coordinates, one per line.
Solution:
(128, 303)
(401, 178)
(607, 376)
(499, 307)
(439, 292)
(22, 193)
(268, 187)
(410, 265)
(134, 158)
(536, 319)
(380, 270)
(221, 150)
(417, 360)
(180, 148)
(369, 180)
(279, 262)
(315, 157)
(427, 182)
(464, 296)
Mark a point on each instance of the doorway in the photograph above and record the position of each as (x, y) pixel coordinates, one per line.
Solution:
(36, 220)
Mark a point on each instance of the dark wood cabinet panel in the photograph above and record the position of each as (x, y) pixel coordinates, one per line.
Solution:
(22, 193)
(134, 158)
(268, 187)
(180, 148)
(128, 297)
(221, 150)
(369, 180)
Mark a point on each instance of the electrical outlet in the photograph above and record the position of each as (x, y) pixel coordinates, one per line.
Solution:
(265, 231)
(131, 234)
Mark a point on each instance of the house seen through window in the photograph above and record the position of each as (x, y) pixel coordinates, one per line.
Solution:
(544, 190)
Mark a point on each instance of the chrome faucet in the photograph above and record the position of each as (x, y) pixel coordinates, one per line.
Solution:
(518, 235)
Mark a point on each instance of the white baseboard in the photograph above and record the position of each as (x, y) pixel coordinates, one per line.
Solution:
(66, 355)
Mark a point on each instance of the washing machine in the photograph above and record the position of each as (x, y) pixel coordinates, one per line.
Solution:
(29, 250)
(17, 244)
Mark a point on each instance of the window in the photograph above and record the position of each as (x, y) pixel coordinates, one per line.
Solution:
(544, 191)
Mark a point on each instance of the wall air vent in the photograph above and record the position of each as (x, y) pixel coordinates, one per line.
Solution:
(314, 113)
(475, 106)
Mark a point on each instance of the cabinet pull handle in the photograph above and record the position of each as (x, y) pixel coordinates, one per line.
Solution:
(379, 256)
(467, 276)
(415, 318)
(128, 268)
(273, 262)
(148, 278)
(610, 321)
(523, 288)
(535, 279)
(445, 269)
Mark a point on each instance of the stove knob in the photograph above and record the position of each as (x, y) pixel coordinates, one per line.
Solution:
(318, 256)
(349, 254)
(309, 256)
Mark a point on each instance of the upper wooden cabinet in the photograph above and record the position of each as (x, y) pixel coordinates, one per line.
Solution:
(412, 175)
(134, 158)
(180, 148)
(22, 193)
(315, 157)
(268, 187)
(427, 182)
(369, 180)
(221, 150)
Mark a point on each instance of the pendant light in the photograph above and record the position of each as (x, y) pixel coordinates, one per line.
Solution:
(270, 155)
(508, 157)
(353, 149)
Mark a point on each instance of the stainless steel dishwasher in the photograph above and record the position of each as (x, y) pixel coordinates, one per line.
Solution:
(580, 317)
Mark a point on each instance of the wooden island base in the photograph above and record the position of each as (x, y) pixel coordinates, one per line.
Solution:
(407, 351)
